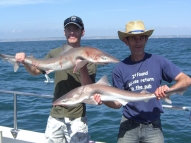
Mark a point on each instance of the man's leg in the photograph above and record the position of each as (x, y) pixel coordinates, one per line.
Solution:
(55, 131)
(152, 133)
(128, 132)
(78, 129)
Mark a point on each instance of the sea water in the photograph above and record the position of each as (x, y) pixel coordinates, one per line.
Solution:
(32, 112)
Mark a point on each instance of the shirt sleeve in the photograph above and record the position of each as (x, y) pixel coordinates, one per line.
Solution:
(117, 79)
(169, 70)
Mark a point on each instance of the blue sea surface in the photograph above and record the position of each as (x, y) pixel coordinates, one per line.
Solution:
(32, 112)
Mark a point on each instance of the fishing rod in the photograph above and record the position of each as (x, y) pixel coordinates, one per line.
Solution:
(178, 108)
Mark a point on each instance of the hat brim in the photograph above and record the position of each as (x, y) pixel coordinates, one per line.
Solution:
(122, 35)
(73, 23)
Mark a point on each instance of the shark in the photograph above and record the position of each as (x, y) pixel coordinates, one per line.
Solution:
(70, 58)
(85, 94)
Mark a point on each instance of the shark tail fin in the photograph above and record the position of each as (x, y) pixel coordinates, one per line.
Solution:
(15, 64)
(170, 92)
(10, 59)
(182, 90)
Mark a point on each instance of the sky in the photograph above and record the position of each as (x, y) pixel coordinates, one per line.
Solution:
(44, 18)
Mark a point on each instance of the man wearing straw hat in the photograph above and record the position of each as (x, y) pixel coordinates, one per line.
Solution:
(142, 72)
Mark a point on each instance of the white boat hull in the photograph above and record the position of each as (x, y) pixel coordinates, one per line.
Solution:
(23, 136)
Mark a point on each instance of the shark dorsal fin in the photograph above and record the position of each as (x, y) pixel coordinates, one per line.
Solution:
(104, 81)
(66, 48)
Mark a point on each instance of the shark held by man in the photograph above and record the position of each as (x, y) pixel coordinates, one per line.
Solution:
(70, 58)
(86, 94)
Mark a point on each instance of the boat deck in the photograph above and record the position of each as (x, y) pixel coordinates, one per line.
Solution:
(23, 136)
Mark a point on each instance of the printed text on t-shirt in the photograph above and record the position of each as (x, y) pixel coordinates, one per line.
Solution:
(141, 79)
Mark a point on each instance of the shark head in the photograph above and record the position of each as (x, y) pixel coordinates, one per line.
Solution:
(71, 98)
(65, 102)
(97, 56)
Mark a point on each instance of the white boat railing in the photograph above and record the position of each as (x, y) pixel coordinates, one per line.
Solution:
(15, 130)
(177, 107)
(185, 108)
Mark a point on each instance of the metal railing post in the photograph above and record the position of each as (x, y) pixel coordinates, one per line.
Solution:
(1, 137)
(15, 130)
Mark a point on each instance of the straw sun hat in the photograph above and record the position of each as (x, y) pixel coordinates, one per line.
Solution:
(134, 28)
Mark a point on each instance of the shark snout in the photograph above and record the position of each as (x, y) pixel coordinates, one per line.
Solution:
(113, 60)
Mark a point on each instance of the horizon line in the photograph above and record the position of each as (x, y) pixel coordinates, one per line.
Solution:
(88, 38)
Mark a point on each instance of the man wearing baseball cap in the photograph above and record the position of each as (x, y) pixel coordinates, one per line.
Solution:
(67, 124)
(143, 72)
(74, 20)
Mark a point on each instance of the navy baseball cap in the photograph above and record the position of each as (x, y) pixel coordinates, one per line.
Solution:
(74, 20)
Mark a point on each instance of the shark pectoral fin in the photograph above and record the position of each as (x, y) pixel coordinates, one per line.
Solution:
(144, 91)
(90, 101)
(122, 102)
(79, 64)
(167, 100)
(146, 100)
(74, 71)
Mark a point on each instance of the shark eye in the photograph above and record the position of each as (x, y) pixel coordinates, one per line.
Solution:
(64, 100)
(104, 57)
